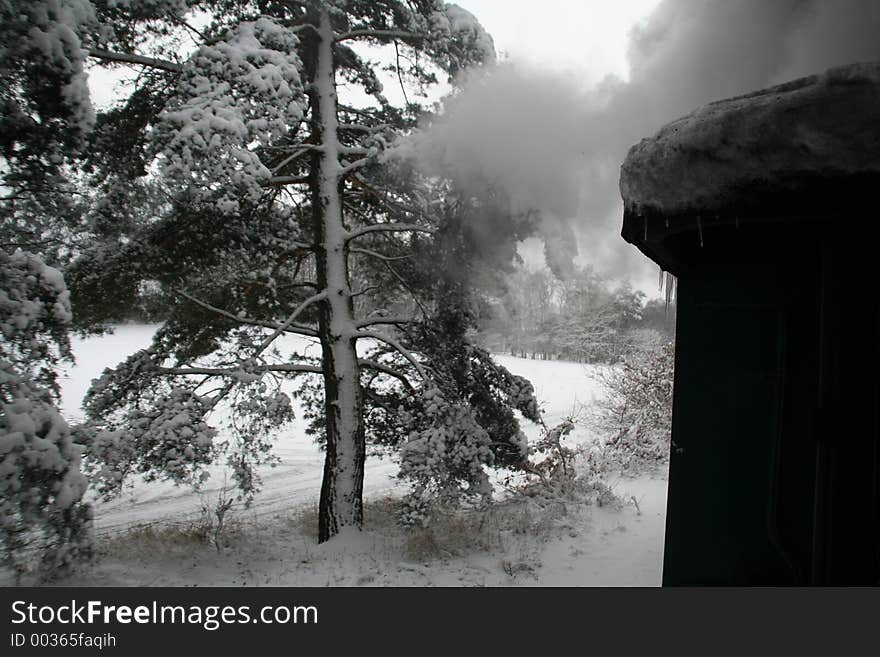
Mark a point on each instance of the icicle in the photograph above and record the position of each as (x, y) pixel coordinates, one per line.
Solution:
(646, 229)
(666, 220)
(660, 280)
(700, 229)
(669, 283)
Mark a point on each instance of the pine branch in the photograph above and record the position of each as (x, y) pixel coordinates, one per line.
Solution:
(379, 35)
(128, 58)
(389, 228)
(290, 320)
(379, 367)
(354, 166)
(399, 74)
(229, 371)
(391, 342)
(406, 286)
(304, 149)
(378, 256)
(282, 181)
(295, 328)
(386, 321)
(359, 127)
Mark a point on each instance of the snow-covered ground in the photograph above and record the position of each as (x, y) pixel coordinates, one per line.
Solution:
(151, 534)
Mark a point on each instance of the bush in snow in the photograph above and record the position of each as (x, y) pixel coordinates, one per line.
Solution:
(559, 472)
(43, 522)
(635, 415)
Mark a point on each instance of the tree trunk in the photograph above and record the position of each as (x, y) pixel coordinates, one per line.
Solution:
(341, 503)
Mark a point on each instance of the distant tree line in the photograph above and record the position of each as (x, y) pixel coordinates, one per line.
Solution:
(584, 318)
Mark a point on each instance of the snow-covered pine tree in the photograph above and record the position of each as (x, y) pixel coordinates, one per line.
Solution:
(43, 522)
(45, 119)
(234, 182)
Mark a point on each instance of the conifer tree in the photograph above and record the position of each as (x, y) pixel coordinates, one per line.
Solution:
(239, 184)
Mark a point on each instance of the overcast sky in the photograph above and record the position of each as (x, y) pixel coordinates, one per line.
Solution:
(586, 37)
(548, 126)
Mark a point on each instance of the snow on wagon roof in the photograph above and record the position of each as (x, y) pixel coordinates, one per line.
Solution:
(822, 126)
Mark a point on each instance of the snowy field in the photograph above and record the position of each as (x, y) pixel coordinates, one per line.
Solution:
(151, 536)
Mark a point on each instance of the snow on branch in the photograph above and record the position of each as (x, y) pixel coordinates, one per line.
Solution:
(140, 60)
(391, 342)
(376, 321)
(282, 181)
(232, 371)
(389, 228)
(302, 150)
(295, 328)
(379, 256)
(234, 96)
(354, 166)
(289, 321)
(384, 369)
(359, 127)
(379, 35)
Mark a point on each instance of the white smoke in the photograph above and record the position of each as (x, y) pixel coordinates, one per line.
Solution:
(557, 149)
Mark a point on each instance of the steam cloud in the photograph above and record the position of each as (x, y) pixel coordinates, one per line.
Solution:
(556, 148)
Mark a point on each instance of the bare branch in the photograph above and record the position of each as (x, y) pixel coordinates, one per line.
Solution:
(366, 290)
(306, 148)
(386, 321)
(403, 351)
(406, 286)
(379, 35)
(305, 26)
(282, 181)
(128, 58)
(359, 127)
(295, 328)
(378, 256)
(300, 246)
(289, 368)
(356, 150)
(389, 228)
(399, 74)
(384, 369)
(289, 321)
(354, 166)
